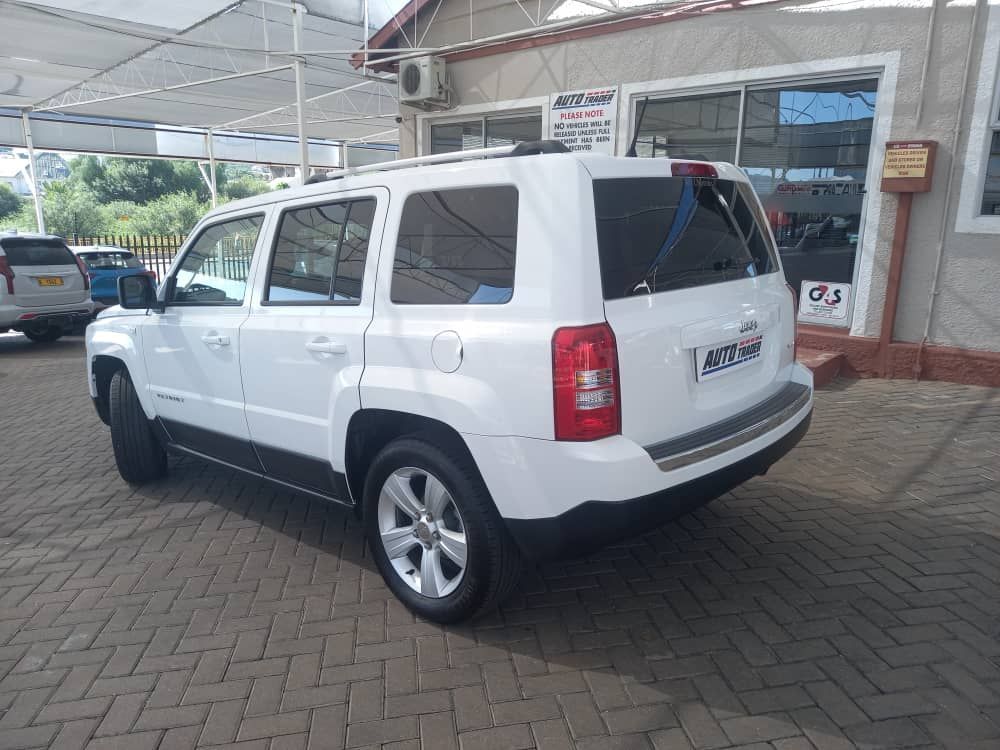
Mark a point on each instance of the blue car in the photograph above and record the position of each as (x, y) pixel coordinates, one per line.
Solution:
(105, 265)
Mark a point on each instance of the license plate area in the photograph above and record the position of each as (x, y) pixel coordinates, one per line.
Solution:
(50, 281)
(716, 360)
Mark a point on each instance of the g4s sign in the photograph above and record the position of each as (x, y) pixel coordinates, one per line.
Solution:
(824, 301)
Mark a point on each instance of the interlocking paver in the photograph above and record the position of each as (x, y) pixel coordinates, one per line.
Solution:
(848, 597)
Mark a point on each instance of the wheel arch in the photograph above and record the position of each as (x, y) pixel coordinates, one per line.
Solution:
(370, 430)
(103, 369)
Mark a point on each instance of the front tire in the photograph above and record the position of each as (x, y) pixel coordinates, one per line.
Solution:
(434, 532)
(138, 454)
(44, 335)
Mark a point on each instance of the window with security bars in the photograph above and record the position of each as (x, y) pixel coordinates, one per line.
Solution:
(990, 205)
(488, 132)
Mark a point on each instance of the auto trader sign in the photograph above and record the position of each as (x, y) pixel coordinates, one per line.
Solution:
(585, 120)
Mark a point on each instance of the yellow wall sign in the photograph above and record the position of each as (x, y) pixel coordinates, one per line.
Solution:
(908, 166)
(906, 162)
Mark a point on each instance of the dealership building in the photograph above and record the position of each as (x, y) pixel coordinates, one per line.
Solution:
(805, 96)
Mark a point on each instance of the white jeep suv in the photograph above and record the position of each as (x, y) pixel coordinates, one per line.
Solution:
(44, 287)
(489, 359)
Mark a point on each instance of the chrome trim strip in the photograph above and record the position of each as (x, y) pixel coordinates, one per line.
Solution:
(709, 450)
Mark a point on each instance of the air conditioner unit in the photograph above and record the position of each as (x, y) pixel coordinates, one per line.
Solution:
(422, 82)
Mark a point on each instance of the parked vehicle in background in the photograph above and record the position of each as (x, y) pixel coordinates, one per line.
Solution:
(44, 287)
(488, 359)
(105, 265)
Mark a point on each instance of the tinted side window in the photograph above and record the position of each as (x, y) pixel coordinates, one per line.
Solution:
(660, 233)
(456, 247)
(320, 253)
(32, 252)
(214, 270)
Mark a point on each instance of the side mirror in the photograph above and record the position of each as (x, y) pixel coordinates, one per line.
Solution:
(136, 292)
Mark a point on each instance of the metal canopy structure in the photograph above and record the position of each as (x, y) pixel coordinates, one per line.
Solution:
(230, 69)
(206, 63)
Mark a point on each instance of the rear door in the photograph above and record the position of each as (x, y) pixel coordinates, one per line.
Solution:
(45, 272)
(694, 294)
(303, 346)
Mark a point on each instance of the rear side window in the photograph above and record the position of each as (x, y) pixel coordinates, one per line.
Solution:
(320, 253)
(456, 247)
(32, 252)
(656, 234)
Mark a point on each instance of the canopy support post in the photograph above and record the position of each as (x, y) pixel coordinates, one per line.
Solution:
(35, 186)
(213, 188)
(300, 90)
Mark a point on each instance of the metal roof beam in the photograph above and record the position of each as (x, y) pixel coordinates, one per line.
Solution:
(160, 90)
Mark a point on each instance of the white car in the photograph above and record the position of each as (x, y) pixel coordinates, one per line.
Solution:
(489, 359)
(44, 287)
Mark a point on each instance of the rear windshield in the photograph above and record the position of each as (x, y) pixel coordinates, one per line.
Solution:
(656, 234)
(31, 252)
(105, 261)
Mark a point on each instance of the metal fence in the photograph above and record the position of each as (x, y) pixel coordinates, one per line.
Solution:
(155, 252)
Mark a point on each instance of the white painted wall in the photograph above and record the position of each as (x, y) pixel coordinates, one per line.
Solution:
(787, 41)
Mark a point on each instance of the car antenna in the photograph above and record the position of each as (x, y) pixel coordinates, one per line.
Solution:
(638, 124)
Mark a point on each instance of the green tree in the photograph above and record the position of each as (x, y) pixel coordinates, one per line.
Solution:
(10, 202)
(244, 186)
(140, 180)
(70, 208)
(176, 213)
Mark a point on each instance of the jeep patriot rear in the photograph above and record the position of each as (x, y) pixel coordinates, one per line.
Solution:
(489, 359)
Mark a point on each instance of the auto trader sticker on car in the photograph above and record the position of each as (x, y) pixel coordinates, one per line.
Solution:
(718, 359)
(823, 301)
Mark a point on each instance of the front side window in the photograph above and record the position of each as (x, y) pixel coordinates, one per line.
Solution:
(657, 234)
(215, 269)
(320, 253)
(456, 247)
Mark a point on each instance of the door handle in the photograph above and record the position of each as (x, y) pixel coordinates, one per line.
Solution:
(215, 340)
(325, 346)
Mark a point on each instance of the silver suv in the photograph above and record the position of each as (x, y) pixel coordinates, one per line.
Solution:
(44, 287)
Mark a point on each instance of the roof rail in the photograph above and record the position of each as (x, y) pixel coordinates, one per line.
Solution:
(534, 147)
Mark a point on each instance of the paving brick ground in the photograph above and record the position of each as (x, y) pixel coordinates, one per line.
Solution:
(850, 597)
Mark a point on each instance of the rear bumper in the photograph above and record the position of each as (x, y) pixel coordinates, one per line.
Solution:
(594, 524)
(12, 316)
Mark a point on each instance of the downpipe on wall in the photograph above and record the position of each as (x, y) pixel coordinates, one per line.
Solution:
(956, 134)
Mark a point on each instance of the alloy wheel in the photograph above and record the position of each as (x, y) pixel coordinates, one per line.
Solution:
(422, 532)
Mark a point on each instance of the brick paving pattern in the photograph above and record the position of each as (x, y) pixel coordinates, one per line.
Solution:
(851, 597)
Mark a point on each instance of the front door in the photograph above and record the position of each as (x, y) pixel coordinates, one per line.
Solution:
(192, 349)
(303, 344)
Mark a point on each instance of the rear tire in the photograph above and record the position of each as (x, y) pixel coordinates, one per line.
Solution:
(138, 454)
(492, 561)
(45, 335)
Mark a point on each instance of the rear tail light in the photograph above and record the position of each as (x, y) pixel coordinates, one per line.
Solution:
(8, 273)
(152, 275)
(692, 169)
(585, 384)
(83, 271)
(795, 321)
